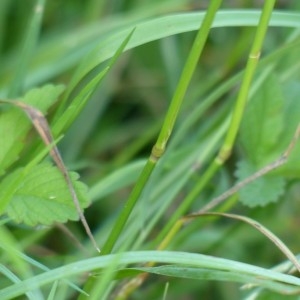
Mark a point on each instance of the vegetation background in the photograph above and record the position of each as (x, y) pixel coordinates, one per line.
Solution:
(109, 137)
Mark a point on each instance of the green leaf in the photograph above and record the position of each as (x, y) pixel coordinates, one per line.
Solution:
(42, 196)
(262, 190)
(14, 124)
(219, 275)
(268, 128)
(118, 179)
(263, 123)
(27, 49)
(63, 52)
(82, 86)
(183, 259)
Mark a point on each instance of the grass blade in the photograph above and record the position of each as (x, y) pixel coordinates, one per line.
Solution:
(28, 48)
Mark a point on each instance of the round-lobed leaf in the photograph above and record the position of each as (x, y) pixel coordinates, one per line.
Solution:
(41, 196)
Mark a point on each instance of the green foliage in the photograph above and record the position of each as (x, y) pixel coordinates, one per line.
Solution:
(260, 131)
(119, 62)
(262, 191)
(42, 196)
(15, 125)
(27, 195)
(218, 275)
(195, 265)
(291, 91)
(263, 123)
(267, 128)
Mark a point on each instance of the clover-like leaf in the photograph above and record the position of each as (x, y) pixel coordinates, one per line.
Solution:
(261, 191)
(263, 123)
(42, 196)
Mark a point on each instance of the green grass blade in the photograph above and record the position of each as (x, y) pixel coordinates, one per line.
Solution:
(116, 180)
(218, 275)
(167, 127)
(266, 232)
(165, 257)
(64, 52)
(26, 53)
(82, 86)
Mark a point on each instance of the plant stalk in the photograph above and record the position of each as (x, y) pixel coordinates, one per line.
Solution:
(235, 122)
(167, 127)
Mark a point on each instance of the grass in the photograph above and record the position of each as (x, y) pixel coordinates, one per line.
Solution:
(159, 118)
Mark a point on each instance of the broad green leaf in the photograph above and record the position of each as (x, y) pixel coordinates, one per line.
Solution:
(266, 131)
(42, 197)
(14, 124)
(263, 122)
(261, 191)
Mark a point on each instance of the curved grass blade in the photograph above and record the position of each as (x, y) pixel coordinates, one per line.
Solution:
(168, 257)
(81, 90)
(216, 275)
(266, 232)
(66, 51)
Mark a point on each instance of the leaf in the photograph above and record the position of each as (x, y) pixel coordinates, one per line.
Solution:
(268, 127)
(263, 123)
(14, 124)
(263, 190)
(82, 86)
(266, 232)
(118, 179)
(27, 49)
(63, 52)
(219, 275)
(183, 259)
(42, 196)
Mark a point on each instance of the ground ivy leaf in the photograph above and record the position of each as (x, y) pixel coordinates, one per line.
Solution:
(261, 191)
(14, 124)
(263, 122)
(42, 197)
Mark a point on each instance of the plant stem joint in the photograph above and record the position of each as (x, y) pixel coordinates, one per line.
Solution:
(223, 155)
(156, 153)
(255, 55)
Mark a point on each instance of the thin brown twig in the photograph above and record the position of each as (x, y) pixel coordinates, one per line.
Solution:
(41, 125)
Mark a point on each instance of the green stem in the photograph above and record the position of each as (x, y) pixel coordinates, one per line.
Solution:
(184, 206)
(128, 207)
(242, 98)
(187, 73)
(248, 76)
(167, 126)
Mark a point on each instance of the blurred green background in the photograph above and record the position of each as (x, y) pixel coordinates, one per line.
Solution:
(121, 121)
